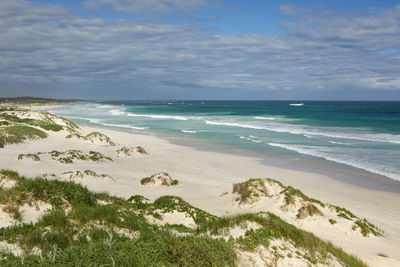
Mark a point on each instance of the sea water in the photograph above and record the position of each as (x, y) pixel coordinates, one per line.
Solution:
(365, 135)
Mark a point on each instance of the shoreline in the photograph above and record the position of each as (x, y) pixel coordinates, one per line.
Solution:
(338, 171)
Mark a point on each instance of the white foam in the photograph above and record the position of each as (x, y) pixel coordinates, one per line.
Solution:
(250, 138)
(342, 158)
(189, 131)
(168, 117)
(116, 112)
(338, 143)
(387, 138)
(312, 133)
(104, 106)
(235, 124)
(297, 104)
(264, 118)
(122, 126)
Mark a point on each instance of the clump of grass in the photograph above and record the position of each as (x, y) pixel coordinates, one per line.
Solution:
(367, 228)
(91, 136)
(308, 210)
(145, 180)
(20, 133)
(332, 221)
(247, 189)
(345, 212)
(137, 199)
(141, 150)
(162, 177)
(129, 151)
(13, 209)
(290, 193)
(382, 255)
(343, 215)
(68, 157)
(49, 126)
(33, 157)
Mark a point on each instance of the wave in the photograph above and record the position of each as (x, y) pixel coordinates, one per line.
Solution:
(297, 104)
(104, 106)
(168, 117)
(98, 121)
(338, 143)
(343, 159)
(235, 124)
(189, 131)
(116, 112)
(250, 138)
(386, 138)
(122, 126)
(282, 128)
(264, 118)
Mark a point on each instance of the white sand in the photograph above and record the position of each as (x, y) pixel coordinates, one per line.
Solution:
(204, 175)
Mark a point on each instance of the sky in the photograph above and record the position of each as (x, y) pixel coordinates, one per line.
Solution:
(200, 49)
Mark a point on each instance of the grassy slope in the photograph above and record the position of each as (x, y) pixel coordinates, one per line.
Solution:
(87, 235)
(14, 130)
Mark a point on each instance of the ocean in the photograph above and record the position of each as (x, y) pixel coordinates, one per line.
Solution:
(364, 135)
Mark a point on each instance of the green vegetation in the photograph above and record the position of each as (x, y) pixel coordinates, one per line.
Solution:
(33, 157)
(141, 150)
(90, 234)
(92, 137)
(17, 126)
(145, 180)
(79, 231)
(129, 151)
(367, 228)
(332, 221)
(69, 156)
(48, 126)
(162, 177)
(290, 193)
(308, 210)
(246, 189)
(20, 133)
(308, 245)
(252, 189)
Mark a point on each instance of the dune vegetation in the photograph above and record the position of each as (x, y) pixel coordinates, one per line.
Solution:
(83, 228)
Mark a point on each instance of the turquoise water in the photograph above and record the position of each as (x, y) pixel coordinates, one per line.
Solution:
(364, 135)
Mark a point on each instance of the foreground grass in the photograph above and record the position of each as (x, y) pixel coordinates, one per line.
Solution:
(95, 229)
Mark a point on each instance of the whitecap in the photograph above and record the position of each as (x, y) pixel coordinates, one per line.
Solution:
(116, 112)
(165, 117)
(264, 118)
(189, 131)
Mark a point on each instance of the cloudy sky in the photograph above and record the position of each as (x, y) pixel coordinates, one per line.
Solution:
(200, 49)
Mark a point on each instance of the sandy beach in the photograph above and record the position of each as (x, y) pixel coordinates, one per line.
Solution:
(206, 179)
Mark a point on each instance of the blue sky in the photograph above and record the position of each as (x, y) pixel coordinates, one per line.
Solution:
(200, 49)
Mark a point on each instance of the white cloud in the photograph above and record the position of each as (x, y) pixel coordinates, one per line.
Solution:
(48, 46)
(147, 7)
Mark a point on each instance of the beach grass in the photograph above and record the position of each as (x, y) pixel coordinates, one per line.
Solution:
(78, 231)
